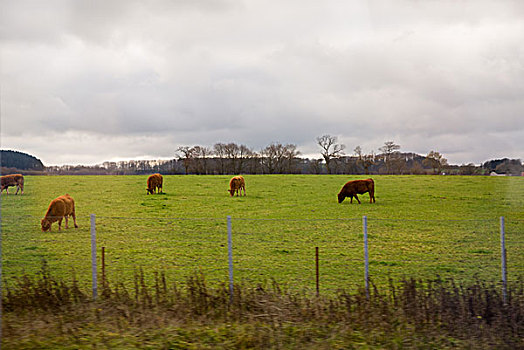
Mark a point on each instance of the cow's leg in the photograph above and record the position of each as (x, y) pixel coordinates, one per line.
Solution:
(60, 224)
(17, 189)
(356, 197)
(74, 219)
(67, 222)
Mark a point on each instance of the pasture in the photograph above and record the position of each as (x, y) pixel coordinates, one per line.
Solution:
(420, 226)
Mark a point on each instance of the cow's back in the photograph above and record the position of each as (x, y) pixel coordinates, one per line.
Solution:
(69, 204)
(154, 181)
(11, 180)
(57, 208)
(236, 182)
(364, 185)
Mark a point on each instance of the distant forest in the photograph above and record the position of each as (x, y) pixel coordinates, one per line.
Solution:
(274, 159)
(14, 161)
(402, 164)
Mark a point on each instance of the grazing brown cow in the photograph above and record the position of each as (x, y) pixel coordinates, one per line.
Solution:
(154, 182)
(352, 188)
(12, 180)
(236, 184)
(60, 207)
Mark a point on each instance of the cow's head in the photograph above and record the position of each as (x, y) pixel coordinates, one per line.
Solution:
(149, 190)
(341, 197)
(46, 225)
(231, 192)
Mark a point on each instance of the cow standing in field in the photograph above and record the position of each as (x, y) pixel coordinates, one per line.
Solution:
(236, 184)
(12, 180)
(154, 183)
(60, 208)
(352, 188)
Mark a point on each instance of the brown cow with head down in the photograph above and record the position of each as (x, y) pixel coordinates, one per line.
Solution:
(236, 184)
(154, 182)
(352, 188)
(12, 180)
(60, 207)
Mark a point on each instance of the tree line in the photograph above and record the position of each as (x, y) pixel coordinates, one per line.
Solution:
(277, 158)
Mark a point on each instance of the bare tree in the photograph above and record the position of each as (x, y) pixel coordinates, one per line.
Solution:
(330, 149)
(436, 161)
(364, 160)
(201, 155)
(358, 152)
(232, 151)
(278, 158)
(220, 151)
(186, 155)
(388, 150)
(271, 157)
(315, 166)
(290, 158)
(254, 165)
(367, 161)
(232, 157)
(399, 164)
(244, 155)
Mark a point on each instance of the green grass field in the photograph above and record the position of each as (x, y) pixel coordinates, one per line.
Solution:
(420, 226)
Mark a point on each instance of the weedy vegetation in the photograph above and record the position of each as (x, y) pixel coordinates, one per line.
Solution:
(44, 313)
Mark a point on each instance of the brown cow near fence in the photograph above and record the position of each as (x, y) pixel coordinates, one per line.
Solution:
(12, 180)
(352, 188)
(154, 183)
(236, 184)
(60, 208)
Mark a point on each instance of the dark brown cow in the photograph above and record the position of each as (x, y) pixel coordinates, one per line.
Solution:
(12, 180)
(236, 184)
(352, 188)
(154, 182)
(60, 208)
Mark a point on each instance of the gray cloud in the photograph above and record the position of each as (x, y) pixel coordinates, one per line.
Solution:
(133, 78)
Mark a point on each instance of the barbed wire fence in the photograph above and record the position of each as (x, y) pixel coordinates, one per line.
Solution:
(310, 255)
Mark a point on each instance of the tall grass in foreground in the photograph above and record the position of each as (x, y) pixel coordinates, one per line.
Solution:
(43, 312)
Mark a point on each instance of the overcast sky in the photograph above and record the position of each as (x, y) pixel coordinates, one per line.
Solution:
(83, 82)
